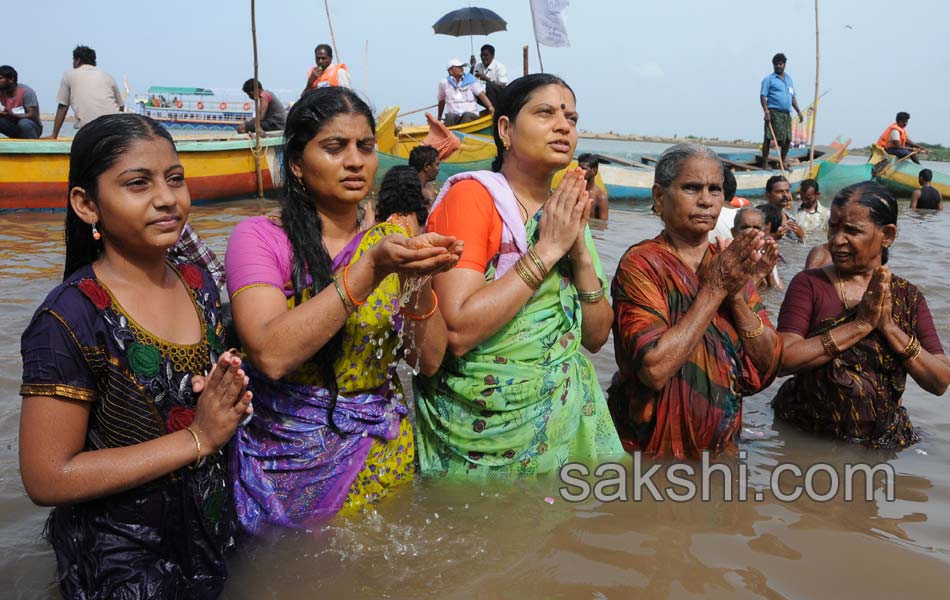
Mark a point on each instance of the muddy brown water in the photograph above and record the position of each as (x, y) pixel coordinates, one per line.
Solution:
(446, 539)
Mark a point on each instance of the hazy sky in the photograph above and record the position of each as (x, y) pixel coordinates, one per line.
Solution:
(657, 68)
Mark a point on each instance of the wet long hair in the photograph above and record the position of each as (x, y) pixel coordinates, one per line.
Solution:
(879, 201)
(400, 193)
(513, 98)
(96, 147)
(299, 216)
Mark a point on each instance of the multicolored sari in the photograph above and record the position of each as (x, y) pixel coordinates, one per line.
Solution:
(289, 466)
(165, 538)
(700, 408)
(857, 395)
(523, 401)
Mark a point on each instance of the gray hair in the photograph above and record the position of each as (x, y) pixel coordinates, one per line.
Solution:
(744, 210)
(673, 158)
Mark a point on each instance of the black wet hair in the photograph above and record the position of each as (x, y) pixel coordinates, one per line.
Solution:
(96, 147)
(772, 216)
(422, 156)
(85, 55)
(729, 185)
(8, 72)
(400, 193)
(879, 201)
(325, 47)
(299, 218)
(589, 159)
(808, 184)
(902, 116)
(772, 181)
(513, 98)
(925, 175)
(248, 86)
(779, 58)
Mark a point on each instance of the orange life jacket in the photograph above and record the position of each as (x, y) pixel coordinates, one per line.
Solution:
(330, 77)
(885, 140)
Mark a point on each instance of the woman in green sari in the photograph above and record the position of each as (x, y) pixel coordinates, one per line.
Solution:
(516, 395)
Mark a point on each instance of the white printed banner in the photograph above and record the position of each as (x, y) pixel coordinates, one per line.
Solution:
(550, 22)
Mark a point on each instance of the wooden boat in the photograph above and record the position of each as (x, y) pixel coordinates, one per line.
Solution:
(481, 126)
(626, 179)
(190, 107)
(34, 173)
(476, 152)
(900, 175)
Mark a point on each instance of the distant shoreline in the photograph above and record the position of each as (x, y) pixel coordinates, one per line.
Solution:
(666, 140)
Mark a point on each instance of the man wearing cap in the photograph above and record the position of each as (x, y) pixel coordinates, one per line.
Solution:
(459, 94)
(777, 96)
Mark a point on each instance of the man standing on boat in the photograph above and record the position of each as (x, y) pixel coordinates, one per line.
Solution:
(777, 96)
(894, 140)
(326, 73)
(19, 108)
(273, 113)
(459, 95)
(491, 72)
(90, 91)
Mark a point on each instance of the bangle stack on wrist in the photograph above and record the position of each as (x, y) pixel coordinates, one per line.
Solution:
(828, 343)
(911, 350)
(592, 297)
(531, 269)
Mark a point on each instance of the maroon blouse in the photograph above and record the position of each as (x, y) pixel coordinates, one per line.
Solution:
(812, 297)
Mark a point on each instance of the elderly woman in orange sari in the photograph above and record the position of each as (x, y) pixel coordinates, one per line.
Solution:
(690, 331)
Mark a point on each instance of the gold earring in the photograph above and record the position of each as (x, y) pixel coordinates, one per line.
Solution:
(506, 144)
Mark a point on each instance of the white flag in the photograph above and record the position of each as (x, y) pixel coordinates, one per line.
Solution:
(550, 22)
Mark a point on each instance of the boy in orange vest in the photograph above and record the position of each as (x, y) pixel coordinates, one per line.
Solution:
(326, 73)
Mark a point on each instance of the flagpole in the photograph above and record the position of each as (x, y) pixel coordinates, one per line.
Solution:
(814, 114)
(336, 54)
(257, 152)
(534, 26)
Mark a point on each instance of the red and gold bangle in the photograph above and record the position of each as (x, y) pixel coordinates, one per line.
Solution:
(346, 286)
(435, 305)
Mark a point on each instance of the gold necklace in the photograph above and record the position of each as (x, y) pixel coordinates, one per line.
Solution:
(841, 290)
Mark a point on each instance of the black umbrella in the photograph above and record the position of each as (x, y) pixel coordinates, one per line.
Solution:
(470, 21)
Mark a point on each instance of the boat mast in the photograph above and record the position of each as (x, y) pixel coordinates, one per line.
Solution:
(814, 106)
(257, 151)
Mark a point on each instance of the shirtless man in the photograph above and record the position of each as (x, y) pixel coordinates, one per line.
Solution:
(425, 160)
(590, 163)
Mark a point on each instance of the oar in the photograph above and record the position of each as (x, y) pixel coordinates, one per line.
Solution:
(781, 165)
(418, 110)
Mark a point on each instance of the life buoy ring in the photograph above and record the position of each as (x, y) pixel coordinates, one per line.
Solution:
(740, 202)
(247, 106)
(200, 105)
(178, 104)
(223, 106)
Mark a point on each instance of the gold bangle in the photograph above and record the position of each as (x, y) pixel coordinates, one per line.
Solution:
(537, 262)
(526, 275)
(197, 444)
(749, 335)
(828, 343)
(346, 301)
(592, 297)
(912, 350)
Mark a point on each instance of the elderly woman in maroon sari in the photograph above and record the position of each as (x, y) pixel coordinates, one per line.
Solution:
(853, 332)
(690, 331)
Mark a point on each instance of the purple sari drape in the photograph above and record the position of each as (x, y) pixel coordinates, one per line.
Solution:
(289, 467)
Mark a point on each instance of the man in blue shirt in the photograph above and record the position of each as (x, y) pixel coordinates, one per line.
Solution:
(778, 98)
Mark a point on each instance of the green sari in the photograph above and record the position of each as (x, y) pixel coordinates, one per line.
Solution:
(526, 400)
